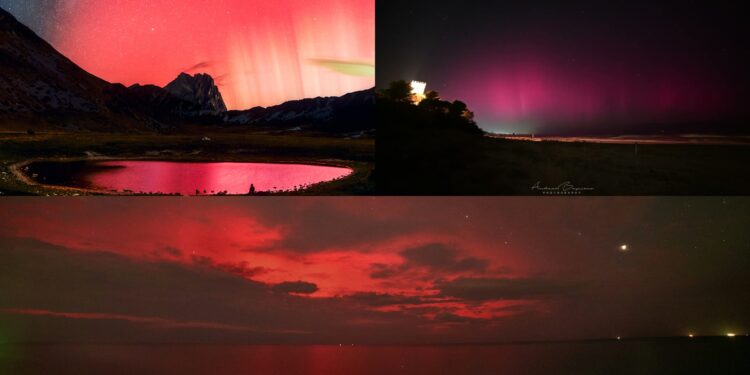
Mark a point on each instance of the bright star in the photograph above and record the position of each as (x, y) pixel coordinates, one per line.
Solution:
(623, 247)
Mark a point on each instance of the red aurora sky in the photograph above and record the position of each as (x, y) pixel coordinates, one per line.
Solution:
(261, 52)
(364, 270)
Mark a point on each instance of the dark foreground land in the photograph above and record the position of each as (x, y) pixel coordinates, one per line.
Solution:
(431, 154)
(660, 356)
(19, 147)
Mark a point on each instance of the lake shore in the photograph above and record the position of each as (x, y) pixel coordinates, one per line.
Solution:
(18, 150)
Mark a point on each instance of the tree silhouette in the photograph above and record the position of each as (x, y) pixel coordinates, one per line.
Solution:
(432, 95)
(433, 131)
(432, 102)
(398, 91)
(457, 108)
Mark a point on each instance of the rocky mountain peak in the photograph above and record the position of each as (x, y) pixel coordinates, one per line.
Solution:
(199, 89)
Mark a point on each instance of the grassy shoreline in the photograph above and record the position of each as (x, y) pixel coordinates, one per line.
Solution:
(451, 165)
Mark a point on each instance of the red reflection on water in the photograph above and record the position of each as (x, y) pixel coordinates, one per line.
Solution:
(673, 356)
(208, 178)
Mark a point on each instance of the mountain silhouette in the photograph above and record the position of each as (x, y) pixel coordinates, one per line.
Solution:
(199, 89)
(37, 78)
(348, 113)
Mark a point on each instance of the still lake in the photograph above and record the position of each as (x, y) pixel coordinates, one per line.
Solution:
(185, 178)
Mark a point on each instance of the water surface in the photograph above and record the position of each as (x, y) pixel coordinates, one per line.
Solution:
(626, 357)
(186, 178)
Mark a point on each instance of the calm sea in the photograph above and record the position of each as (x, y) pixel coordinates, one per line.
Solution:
(678, 356)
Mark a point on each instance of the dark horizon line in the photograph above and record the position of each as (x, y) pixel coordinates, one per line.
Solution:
(300, 99)
(490, 343)
(605, 134)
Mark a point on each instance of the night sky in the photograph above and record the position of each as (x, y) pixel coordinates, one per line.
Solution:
(371, 270)
(570, 67)
(260, 52)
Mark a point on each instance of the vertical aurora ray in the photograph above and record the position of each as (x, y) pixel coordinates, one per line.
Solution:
(260, 52)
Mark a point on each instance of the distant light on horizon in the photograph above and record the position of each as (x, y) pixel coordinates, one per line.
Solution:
(508, 127)
(731, 334)
(418, 89)
(690, 335)
(624, 247)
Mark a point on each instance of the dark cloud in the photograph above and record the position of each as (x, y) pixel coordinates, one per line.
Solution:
(383, 271)
(441, 257)
(446, 317)
(167, 252)
(322, 224)
(481, 289)
(199, 66)
(243, 268)
(433, 257)
(385, 299)
(189, 299)
(201, 260)
(300, 287)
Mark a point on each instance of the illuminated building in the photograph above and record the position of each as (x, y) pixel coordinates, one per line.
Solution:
(417, 90)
